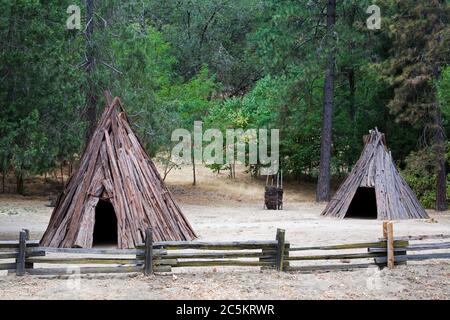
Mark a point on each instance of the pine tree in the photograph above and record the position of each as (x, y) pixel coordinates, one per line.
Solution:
(91, 92)
(420, 35)
(323, 183)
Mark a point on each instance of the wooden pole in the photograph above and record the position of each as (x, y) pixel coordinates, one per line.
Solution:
(276, 204)
(390, 245)
(28, 265)
(280, 249)
(385, 223)
(281, 186)
(27, 234)
(20, 260)
(148, 252)
(281, 182)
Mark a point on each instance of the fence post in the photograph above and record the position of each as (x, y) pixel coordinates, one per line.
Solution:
(148, 268)
(385, 223)
(28, 265)
(20, 260)
(280, 249)
(390, 246)
(27, 234)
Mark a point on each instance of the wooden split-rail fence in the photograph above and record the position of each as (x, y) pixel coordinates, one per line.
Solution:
(27, 257)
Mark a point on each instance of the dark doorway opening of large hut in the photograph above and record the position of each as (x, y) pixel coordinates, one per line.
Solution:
(105, 227)
(363, 205)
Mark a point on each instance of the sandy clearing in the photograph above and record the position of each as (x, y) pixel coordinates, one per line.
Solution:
(220, 209)
(219, 222)
(237, 221)
(424, 282)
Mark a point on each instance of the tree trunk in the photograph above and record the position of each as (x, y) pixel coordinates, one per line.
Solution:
(441, 187)
(45, 182)
(440, 143)
(233, 170)
(441, 179)
(3, 181)
(19, 184)
(350, 17)
(91, 96)
(351, 111)
(352, 89)
(194, 182)
(323, 183)
(62, 174)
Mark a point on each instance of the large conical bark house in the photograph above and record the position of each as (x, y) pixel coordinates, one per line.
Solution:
(116, 194)
(374, 188)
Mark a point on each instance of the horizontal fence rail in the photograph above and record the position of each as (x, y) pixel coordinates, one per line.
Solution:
(211, 254)
(93, 251)
(361, 245)
(25, 256)
(233, 245)
(421, 237)
(14, 244)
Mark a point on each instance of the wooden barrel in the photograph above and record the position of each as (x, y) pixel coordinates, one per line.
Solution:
(273, 198)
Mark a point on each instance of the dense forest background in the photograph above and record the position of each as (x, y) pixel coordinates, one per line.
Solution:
(230, 63)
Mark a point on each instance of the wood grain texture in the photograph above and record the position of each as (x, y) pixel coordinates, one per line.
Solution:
(212, 245)
(390, 245)
(376, 169)
(116, 168)
(20, 260)
(148, 269)
(379, 244)
(421, 237)
(280, 249)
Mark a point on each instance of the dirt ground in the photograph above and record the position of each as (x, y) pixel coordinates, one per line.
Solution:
(221, 209)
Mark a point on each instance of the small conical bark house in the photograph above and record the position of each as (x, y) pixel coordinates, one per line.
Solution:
(116, 194)
(374, 188)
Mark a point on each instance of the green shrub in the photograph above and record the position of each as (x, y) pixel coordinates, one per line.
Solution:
(420, 174)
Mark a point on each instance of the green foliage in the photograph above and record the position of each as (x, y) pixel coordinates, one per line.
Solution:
(420, 35)
(212, 33)
(444, 97)
(254, 110)
(232, 64)
(38, 97)
(193, 97)
(143, 58)
(420, 174)
(31, 146)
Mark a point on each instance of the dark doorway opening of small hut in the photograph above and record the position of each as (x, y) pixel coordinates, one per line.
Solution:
(363, 205)
(105, 227)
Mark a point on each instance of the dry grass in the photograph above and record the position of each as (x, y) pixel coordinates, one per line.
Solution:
(220, 187)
